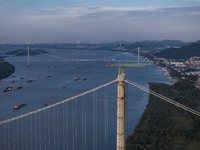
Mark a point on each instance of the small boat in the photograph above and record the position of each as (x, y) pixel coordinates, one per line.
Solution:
(14, 76)
(165, 76)
(19, 87)
(20, 106)
(84, 79)
(13, 81)
(49, 75)
(45, 104)
(22, 77)
(63, 87)
(75, 79)
(30, 80)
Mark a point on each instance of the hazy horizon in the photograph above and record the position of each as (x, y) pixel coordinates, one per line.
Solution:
(92, 21)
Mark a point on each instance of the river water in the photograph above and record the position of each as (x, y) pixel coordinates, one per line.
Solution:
(91, 119)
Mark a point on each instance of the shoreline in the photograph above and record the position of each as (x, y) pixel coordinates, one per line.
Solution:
(6, 69)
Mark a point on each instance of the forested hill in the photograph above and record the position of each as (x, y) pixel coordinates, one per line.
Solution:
(6, 69)
(184, 52)
(152, 44)
(165, 126)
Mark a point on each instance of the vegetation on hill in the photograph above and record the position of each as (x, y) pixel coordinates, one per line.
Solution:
(6, 69)
(184, 52)
(165, 126)
(25, 52)
(152, 44)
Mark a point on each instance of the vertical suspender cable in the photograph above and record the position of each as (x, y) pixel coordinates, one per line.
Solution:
(35, 133)
(49, 128)
(126, 109)
(54, 128)
(40, 129)
(107, 119)
(57, 128)
(31, 131)
(63, 127)
(4, 135)
(76, 124)
(73, 123)
(45, 131)
(17, 134)
(22, 134)
(26, 135)
(85, 126)
(13, 136)
(96, 119)
(67, 125)
(82, 123)
(8, 137)
(93, 121)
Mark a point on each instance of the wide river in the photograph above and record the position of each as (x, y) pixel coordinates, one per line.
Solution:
(91, 119)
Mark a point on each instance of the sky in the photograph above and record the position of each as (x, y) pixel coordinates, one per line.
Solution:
(93, 21)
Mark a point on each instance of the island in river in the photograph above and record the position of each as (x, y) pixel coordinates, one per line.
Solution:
(6, 69)
(165, 126)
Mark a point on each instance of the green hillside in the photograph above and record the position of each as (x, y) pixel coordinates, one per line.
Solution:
(184, 52)
(152, 44)
(165, 126)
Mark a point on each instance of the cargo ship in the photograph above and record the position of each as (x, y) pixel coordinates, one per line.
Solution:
(6, 90)
(30, 80)
(75, 79)
(49, 75)
(20, 106)
(19, 87)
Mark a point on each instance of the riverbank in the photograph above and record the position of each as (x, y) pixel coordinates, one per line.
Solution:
(6, 69)
(165, 126)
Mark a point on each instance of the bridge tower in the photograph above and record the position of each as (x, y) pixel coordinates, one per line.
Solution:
(121, 110)
(28, 57)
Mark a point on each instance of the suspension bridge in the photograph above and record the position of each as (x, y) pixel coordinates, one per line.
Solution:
(57, 58)
(69, 124)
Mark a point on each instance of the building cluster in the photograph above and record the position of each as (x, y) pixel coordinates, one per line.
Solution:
(193, 62)
(182, 66)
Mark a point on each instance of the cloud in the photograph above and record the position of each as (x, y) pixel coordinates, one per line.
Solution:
(88, 23)
(196, 13)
